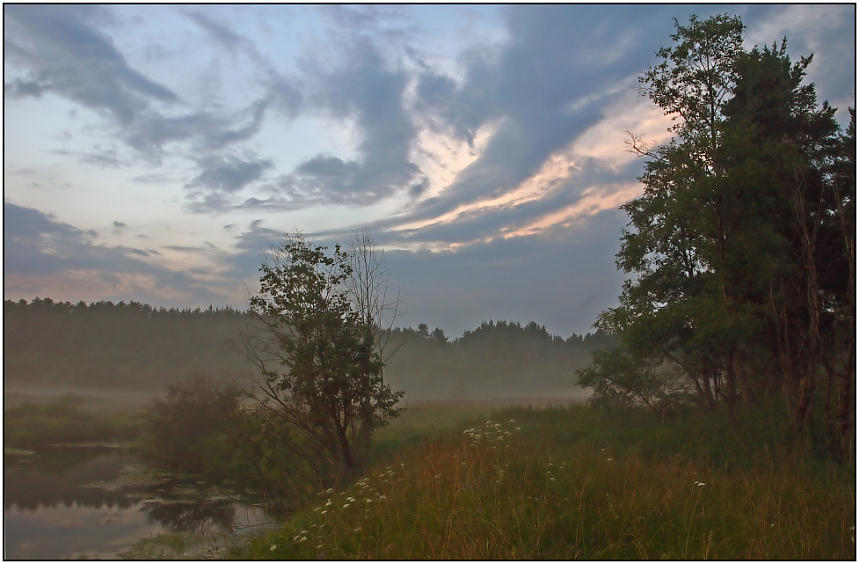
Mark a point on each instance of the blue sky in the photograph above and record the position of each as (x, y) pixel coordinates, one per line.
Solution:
(153, 153)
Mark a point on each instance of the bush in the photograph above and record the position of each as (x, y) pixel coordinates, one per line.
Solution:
(187, 427)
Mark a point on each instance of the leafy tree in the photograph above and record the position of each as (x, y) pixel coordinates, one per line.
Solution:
(783, 153)
(619, 378)
(744, 237)
(678, 308)
(321, 371)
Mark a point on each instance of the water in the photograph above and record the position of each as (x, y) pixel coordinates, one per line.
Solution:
(82, 502)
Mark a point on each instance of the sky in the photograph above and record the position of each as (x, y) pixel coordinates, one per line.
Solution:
(154, 153)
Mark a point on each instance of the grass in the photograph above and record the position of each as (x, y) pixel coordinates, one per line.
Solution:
(424, 421)
(65, 420)
(564, 483)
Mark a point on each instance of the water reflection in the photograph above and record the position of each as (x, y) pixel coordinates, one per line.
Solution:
(203, 517)
(60, 477)
(66, 503)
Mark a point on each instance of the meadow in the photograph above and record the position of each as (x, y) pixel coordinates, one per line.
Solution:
(578, 483)
(493, 480)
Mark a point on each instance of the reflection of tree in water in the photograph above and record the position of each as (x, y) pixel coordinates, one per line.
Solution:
(60, 478)
(194, 516)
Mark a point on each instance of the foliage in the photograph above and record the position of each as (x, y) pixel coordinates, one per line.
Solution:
(741, 244)
(188, 426)
(322, 373)
(620, 379)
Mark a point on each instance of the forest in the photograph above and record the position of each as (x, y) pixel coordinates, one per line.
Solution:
(138, 347)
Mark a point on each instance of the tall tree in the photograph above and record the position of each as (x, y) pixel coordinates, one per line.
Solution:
(321, 372)
(783, 155)
(678, 309)
(742, 245)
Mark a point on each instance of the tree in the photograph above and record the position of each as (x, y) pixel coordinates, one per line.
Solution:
(321, 371)
(377, 308)
(438, 336)
(742, 246)
(789, 158)
(369, 292)
(678, 309)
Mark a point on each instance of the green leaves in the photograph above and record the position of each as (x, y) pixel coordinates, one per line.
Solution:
(743, 232)
(322, 371)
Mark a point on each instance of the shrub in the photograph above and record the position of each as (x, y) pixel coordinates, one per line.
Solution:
(183, 426)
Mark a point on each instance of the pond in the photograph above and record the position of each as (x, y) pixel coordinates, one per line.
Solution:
(96, 502)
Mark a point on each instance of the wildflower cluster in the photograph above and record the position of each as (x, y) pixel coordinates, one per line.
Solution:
(491, 434)
(346, 507)
(550, 468)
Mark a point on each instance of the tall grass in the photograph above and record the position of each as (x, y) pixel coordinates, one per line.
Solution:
(565, 483)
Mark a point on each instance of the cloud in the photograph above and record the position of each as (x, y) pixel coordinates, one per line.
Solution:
(65, 53)
(208, 131)
(19, 88)
(562, 278)
(44, 255)
(221, 33)
(282, 93)
(251, 248)
(229, 173)
(371, 92)
(63, 50)
(553, 80)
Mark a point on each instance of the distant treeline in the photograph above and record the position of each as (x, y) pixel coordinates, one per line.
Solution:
(123, 345)
(133, 345)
